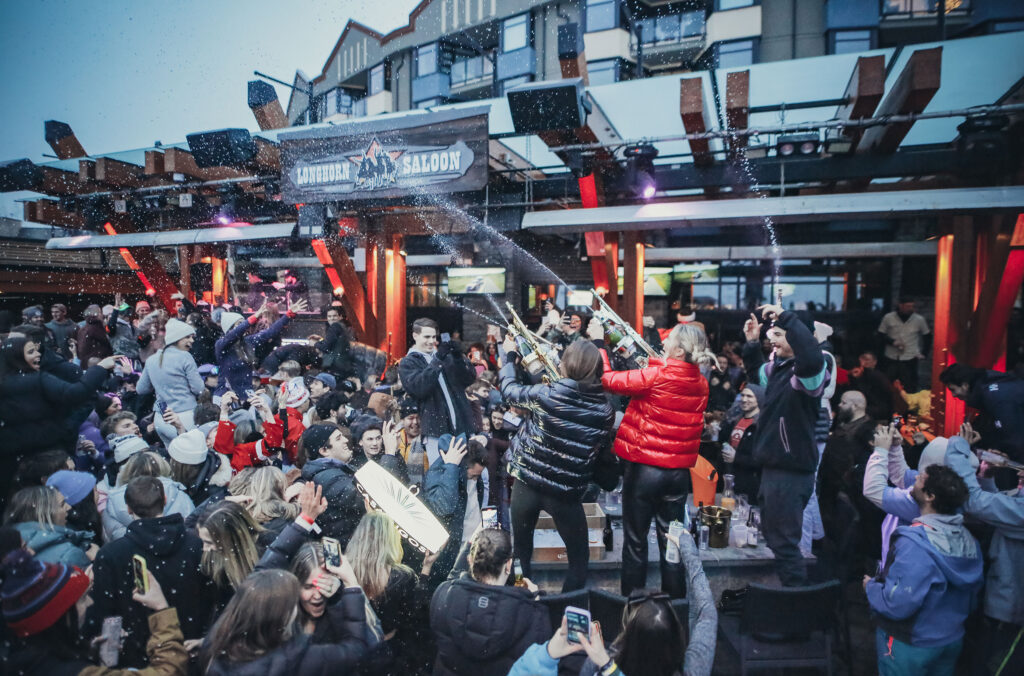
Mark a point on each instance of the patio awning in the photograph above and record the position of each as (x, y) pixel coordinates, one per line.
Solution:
(226, 233)
(795, 209)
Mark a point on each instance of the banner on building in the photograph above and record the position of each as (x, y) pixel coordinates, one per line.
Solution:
(413, 155)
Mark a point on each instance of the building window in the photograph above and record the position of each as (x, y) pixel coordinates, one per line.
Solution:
(850, 41)
(910, 8)
(603, 72)
(1007, 26)
(735, 53)
(426, 59)
(671, 28)
(602, 15)
(733, 4)
(470, 69)
(515, 33)
(514, 82)
(430, 103)
(379, 79)
(428, 287)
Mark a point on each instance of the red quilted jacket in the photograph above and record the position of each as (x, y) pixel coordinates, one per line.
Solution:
(665, 416)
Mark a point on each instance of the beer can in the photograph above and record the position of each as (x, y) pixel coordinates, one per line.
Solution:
(677, 530)
(705, 535)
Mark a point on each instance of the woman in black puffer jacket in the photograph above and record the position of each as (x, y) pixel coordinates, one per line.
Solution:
(554, 452)
(35, 403)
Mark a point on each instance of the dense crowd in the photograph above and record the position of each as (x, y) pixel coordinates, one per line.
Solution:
(180, 491)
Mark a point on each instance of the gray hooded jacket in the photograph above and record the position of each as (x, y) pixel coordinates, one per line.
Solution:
(116, 517)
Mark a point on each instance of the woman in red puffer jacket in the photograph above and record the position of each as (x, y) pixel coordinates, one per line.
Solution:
(658, 440)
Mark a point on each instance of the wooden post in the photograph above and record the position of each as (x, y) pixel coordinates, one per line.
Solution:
(375, 286)
(394, 341)
(611, 265)
(633, 274)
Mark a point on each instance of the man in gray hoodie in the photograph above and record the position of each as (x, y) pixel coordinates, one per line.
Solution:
(1004, 588)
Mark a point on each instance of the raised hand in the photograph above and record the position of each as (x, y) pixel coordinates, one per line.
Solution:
(153, 599)
(770, 311)
(968, 433)
(883, 436)
(509, 344)
(390, 435)
(595, 330)
(752, 328)
(297, 306)
(345, 573)
(594, 645)
(311, 500)
(456, 452)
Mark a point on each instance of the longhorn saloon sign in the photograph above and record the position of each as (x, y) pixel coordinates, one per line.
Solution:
(380, 159)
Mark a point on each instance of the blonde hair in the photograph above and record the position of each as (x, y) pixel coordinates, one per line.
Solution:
(694, 343)
(266, 488)
(35, 503)
(374, 551)
(146, 463)
(235, 532)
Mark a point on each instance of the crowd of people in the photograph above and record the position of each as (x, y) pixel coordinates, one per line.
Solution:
(180, 491)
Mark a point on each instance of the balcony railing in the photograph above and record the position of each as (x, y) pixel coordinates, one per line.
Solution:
(916, 9)
(671, 29)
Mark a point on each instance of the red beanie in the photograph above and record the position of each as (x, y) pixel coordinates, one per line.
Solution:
(35, 594)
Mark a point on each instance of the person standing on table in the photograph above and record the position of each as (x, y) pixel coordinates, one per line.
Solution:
(794, 380)
(659, 438)
(436, 377)
(554, 452)
(239, 352)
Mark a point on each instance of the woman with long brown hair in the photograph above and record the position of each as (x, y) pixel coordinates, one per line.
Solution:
(555, 451)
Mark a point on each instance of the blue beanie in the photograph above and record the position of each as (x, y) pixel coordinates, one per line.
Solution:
(74, 486)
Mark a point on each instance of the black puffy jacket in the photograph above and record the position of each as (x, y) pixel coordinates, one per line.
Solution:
(34, 405)
(344, 504)
(481, 629)
(554, 451)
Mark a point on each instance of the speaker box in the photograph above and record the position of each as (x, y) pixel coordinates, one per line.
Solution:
(548, 105)
(201, 277)
(222, 148)
(20, 174)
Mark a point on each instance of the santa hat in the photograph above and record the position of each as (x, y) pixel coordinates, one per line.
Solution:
(35, 595)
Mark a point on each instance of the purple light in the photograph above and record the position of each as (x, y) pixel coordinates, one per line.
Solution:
(648, 192)
(223, 220)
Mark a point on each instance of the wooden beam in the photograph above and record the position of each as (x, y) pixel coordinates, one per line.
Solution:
(693, 111)
(863, 92)
(913, 90)
(395, 300)
(15, 280)
(353, 299)
(633, 276)
(62, 139)
(119, 174)
(611, 265)
(376, 282)
(57, 182)
(265, 106)
(51, 213)
(149, 265)
(178, 161)
(154, 163)
(268, 155)
(737, 105)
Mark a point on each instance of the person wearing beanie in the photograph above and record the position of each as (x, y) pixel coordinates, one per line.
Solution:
(203, 473)
(208, 372)
(39, 603)
(74, 486)
(410, 442)
(124, 443)
(173, 376)
(240, 351)
(325, 455)
(738, 444)
(173, 556)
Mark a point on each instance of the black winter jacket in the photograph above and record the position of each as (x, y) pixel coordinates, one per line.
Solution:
(172, 556)
(300, 352)
(554, 451)
(419, 375)
(747, 473)
(344, 503)
(302, 656)
(1000, 399)
(34, 405)
(482, 629)
(336, 348)
(792, 398)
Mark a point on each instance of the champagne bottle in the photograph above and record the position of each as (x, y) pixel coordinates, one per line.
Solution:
(609, 536)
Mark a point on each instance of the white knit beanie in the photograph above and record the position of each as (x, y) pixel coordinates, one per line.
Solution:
(126, 446)
(229, 319)
(175, 330)
(188, 448)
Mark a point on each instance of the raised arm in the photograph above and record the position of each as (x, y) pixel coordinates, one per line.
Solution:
(703, 620)
(632, 383)
(997, 509)
(513, 392)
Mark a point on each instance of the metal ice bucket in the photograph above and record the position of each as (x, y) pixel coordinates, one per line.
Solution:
(717, 521)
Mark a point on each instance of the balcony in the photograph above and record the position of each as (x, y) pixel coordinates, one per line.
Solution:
(671, 38)
(923, 9)
(381, 102)
(519, 62)
(435, 85)
(472, 74)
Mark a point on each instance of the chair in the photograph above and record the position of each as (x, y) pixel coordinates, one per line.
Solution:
(606, 607)
(787, 627)
(556, 604)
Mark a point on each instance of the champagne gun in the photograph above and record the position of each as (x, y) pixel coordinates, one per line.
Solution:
(622, 337)
(535, 359)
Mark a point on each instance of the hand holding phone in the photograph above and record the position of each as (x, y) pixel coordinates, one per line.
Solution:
(140, 574)
(489, 516)
(332, 552)
(577, 622)
(110, 641)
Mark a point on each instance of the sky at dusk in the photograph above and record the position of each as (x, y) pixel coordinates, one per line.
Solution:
(125, 73)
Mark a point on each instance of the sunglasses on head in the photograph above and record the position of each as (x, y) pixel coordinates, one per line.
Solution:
(640, 596)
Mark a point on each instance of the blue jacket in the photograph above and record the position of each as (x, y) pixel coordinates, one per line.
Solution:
(58, 544)
(236, 372)
(930, 583)
(1000, 398)
(1004, 591)
(793, 388)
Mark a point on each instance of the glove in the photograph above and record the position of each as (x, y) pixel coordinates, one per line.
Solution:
(455, 347)
(444, 349)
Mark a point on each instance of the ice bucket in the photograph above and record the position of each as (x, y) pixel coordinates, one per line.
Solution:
(717, 521)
